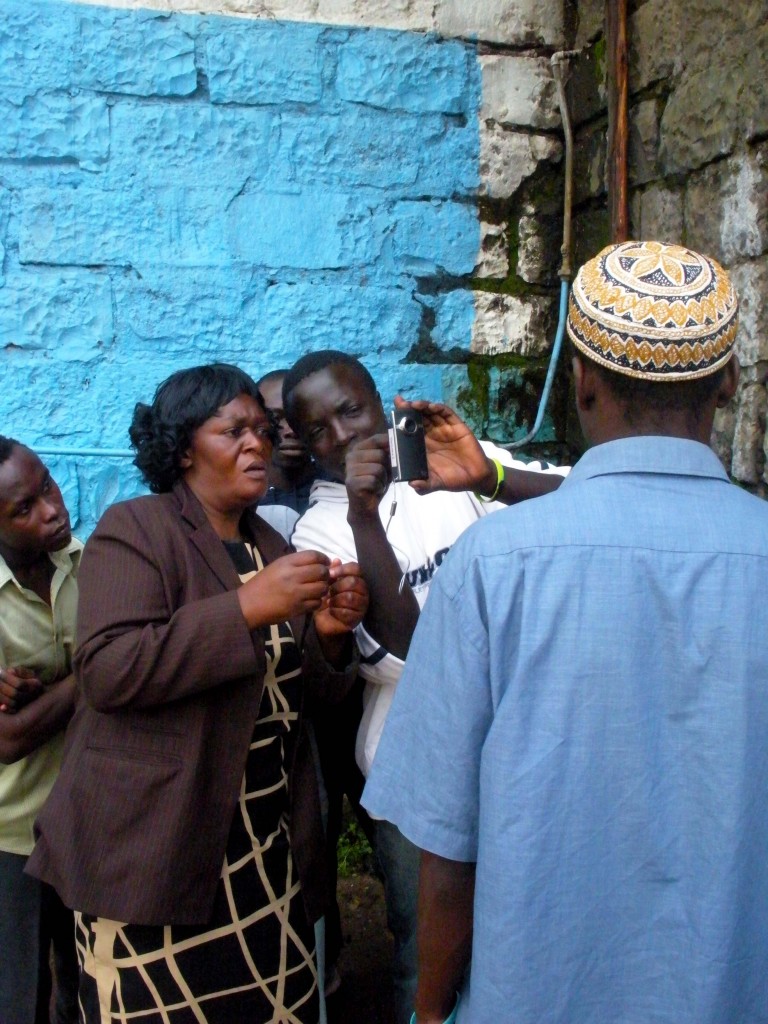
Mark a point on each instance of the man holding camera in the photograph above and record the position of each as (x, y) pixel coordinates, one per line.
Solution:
(399, 534)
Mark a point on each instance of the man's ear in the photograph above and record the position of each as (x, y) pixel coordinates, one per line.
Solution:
(583, 382)
(730, 381)
(186, 460)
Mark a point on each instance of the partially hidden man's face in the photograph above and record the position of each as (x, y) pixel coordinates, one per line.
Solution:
(334, 408)
(33, 516)
(289, 451)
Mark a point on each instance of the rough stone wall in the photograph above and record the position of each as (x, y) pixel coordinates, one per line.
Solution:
(180, 185)
(515, 284)
(698, 167)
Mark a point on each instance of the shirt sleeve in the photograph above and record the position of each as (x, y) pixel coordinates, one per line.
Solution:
(326, 530)
(377, 665)
(425, 777)
(280, 518)
(506, 458)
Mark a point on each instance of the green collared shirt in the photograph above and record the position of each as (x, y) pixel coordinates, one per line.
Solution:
(39, 637)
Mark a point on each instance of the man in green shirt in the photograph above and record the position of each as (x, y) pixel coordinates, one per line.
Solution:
(38, 604)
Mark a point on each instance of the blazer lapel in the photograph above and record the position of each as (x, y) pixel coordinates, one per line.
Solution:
(270, 544)
(204, 537)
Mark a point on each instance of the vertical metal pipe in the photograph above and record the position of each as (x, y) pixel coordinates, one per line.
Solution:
(559, 62)
(559, 71)
(618, 125)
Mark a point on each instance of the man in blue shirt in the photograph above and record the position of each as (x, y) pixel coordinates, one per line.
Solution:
(579, 741)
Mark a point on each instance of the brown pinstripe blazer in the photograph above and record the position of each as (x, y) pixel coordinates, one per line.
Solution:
(136, 825)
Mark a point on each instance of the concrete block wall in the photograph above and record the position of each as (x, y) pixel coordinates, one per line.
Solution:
(698, 167)
(187, 182)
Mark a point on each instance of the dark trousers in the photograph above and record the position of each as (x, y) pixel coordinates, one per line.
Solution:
(335, 727)
(34, 924)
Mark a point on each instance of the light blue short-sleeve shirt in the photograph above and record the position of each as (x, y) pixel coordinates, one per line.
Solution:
(584, 713)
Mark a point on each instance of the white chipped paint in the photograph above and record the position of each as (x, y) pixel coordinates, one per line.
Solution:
(520, 22)
(409, 15)
(740, 233)
(493, 259)
(519, 90)
(751, 282)
(506, 323)
(749, 435)
(511, 22)
(507, 158)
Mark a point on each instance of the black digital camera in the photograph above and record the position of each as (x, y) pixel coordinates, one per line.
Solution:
(407, 447)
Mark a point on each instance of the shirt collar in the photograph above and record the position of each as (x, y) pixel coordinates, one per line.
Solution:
(658, 455)
(61, 559)
(5, 573)
(68, 557)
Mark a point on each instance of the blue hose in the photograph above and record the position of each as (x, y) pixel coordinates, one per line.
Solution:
(550, 371)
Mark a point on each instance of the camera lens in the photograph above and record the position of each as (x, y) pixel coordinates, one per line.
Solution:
(408, 425)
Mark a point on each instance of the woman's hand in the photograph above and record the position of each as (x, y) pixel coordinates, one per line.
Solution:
(292, 585)
(346, 603)
(18, 687)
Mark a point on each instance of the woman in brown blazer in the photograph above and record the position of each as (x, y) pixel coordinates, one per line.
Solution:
(184, 827)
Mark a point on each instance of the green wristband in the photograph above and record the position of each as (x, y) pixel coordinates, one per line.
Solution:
(448, 1020)
(499, 482)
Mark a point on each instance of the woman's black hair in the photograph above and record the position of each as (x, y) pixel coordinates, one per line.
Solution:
(162, 432)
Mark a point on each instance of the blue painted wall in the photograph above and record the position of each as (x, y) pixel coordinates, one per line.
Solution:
(179, 189)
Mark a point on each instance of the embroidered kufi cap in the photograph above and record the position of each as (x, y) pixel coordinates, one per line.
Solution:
(656, 311)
